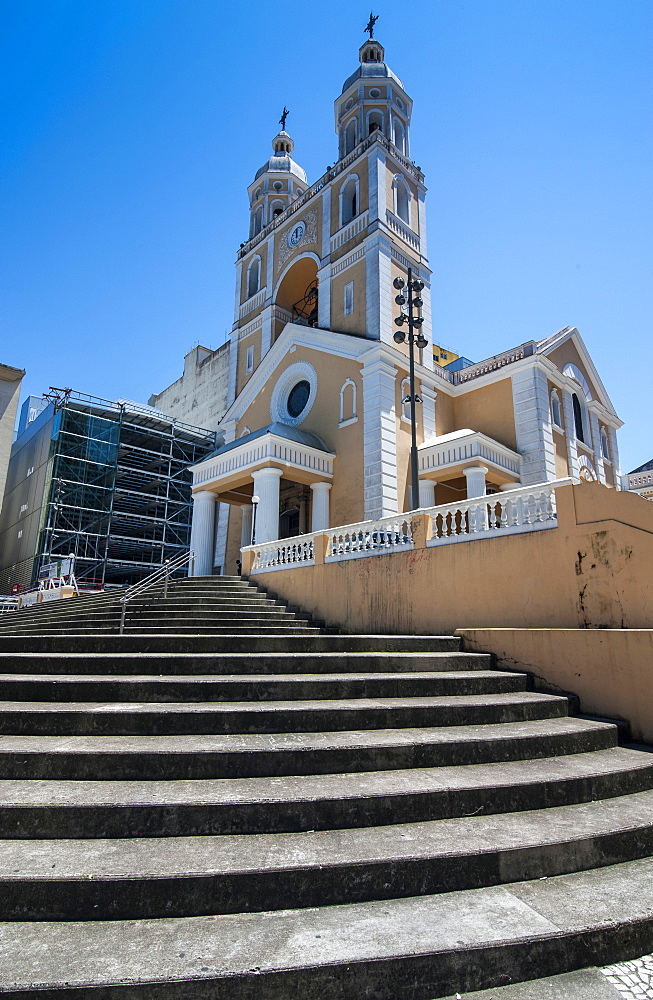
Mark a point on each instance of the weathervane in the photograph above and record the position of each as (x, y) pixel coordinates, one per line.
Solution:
(282, 120)
(370, 24)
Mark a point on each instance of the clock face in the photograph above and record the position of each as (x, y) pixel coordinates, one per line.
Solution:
(296, 234)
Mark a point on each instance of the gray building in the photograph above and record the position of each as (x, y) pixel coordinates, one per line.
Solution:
(10, 381)
(107, 481)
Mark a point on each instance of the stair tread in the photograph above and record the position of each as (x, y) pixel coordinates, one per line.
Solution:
(247, 946)
(298, 705)
(304, 677)
(43, 793)
(201, 855)
(257, 742)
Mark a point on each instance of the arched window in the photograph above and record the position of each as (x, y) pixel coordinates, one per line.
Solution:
(374, 122)
(401, 194)
(348, 403)
(350, 136)
(578, 417)
(554, 399)
(405, 399)
(605, 446)
(277, 208)
(257, 221)
(349, 206)
(253, 276)
(399, 135)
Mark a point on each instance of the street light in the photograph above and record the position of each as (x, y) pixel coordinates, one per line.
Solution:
(409, 292)
(255, 502)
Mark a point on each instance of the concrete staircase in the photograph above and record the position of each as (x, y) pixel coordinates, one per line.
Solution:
(228, 802)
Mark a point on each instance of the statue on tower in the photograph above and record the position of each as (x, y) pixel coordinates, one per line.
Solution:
(282, 120)
(370, 24)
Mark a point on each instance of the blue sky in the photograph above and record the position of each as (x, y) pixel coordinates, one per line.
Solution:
(131, 129)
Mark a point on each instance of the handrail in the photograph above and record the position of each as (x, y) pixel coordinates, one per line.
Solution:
(161, 574)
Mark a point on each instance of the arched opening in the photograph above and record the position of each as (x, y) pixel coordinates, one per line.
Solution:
(277, 208)
(556, 417)
(399, 135)
(374, 122)
(401, 199)
(253, 277)
(349, 206)
(257, 221)
(350, 136)
(297, 294)
(579, 423)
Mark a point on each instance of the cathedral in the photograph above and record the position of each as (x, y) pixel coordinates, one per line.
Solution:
(312, 391)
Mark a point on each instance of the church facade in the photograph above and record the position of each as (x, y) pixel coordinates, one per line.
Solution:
(317, 421)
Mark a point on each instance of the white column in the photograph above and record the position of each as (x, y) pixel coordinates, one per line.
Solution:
(266, 487)
(475, 477)
(320, 506)
(202, 531)
(246, 525)
(427, 492)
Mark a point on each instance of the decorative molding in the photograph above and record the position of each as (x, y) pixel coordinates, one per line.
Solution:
(466, 446)
(308, 239)
(348, 231)
(269, 450)
(347, 261)
(278, 404)
(254, 302)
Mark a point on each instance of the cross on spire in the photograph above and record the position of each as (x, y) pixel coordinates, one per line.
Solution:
(370, 24)
(282, 120)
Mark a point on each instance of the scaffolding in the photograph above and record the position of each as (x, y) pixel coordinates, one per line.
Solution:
(118, 492)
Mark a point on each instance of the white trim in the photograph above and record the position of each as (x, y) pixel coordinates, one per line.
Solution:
(345, 421)
(357, 185)
(297, 372)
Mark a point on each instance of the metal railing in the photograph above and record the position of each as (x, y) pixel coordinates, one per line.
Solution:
(159, 577)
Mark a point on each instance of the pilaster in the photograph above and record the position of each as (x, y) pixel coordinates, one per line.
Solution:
(379, 439)
(533, 426)
(428, 395)
(596, 445)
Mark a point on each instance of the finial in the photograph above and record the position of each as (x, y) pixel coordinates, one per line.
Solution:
(370, 24)
(282, 120)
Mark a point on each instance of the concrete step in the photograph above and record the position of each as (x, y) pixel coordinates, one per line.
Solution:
(254, 627)
(583, 984)
(426, 946)
(192, 876)
(56, 809)
(182, 664)
(306, 642)
(170, 718)
(256, 688)
(148, 758)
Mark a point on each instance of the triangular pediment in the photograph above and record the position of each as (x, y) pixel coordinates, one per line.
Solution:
(566, 347)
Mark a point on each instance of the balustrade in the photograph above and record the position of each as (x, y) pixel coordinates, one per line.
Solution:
(530, 508)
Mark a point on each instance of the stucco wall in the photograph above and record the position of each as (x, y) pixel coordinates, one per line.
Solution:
(592, 571)
(611, 670)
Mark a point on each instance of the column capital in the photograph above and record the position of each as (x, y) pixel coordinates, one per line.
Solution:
(267, 473)
(321, 486)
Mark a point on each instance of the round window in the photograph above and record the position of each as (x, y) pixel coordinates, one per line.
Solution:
(298, 398)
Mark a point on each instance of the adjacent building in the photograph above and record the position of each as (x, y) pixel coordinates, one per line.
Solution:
(640, 480)
(10, 382)
(106, 481)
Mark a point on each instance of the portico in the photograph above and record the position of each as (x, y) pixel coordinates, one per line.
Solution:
(255, 466)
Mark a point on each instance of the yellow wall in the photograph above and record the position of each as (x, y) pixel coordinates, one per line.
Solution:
(356, 322)
(568, 354)
(592, 571)
(609, 669)
(488, 409)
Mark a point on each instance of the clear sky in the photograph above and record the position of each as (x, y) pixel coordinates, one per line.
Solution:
(131, 128)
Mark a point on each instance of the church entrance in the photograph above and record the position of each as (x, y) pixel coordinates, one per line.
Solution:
(294, 509)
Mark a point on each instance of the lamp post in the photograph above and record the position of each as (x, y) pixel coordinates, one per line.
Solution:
(409, 292)
(255, 502)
